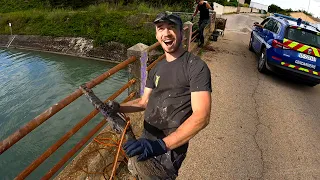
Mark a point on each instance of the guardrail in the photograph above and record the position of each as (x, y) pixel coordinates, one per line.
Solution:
(138, 57)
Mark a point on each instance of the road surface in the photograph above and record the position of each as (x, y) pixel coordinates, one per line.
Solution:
(262, 126)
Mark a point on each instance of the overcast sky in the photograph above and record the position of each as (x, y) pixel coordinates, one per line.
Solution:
(295, 5)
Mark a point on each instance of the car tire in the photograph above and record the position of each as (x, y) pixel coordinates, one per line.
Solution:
(250, 44)
(262, 61)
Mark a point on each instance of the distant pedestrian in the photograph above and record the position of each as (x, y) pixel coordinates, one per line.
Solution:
(203, 7)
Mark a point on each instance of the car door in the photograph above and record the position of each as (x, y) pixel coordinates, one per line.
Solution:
(270, 31)
(257, 39)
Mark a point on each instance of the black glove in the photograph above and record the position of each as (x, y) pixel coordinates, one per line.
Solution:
(113, 107)
(145, 148)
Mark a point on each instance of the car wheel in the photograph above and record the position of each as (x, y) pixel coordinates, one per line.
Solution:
(262, 61)
(250, 44)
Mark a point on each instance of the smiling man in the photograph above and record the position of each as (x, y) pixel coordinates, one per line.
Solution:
(176, 100)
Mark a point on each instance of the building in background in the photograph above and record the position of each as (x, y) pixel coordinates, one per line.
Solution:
(259, 6)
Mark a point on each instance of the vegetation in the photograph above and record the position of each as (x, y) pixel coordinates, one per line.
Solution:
(276, 9)
(120, 22)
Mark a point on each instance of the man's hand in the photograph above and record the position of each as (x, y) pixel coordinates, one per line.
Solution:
(145, 148)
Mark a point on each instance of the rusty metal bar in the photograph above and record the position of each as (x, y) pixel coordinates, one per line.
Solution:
(31, 125)
(153, 46)
(129, 97)
(155, 62)
(194, 37)
(67, 156)
(194, 31)
(69, 134)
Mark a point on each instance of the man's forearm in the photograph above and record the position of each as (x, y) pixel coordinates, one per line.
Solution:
(186, 131)
(132, 106)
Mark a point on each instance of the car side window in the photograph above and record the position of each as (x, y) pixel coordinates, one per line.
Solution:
(270, 25)
(264, 21)
(277, 28)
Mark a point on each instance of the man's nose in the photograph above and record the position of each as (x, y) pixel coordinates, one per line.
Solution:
(166, 32)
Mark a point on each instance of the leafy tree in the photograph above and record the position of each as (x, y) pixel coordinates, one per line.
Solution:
(274, 8)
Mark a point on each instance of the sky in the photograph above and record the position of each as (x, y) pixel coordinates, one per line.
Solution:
(295, 5)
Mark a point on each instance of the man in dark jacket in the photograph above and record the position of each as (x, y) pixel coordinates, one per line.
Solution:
(203, 7)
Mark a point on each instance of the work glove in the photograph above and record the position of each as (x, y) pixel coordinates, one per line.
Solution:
(113, 107)
(145, 148)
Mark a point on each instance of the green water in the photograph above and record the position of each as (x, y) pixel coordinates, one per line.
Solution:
(31, 82)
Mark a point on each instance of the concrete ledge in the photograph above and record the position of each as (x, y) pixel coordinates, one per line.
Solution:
(74, 46)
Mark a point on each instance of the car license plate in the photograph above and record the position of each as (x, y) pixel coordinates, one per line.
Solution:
(307, 57)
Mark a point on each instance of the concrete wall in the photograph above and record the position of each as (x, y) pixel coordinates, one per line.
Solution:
(74, 46)
(229, 9)
(245, 10)
(255, 10)
(218, 8)
(241, 1)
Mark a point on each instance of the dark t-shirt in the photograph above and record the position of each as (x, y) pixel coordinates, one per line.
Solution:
(204, 11)
(172, 82)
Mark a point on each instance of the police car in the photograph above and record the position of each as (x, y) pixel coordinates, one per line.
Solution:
(287, 45)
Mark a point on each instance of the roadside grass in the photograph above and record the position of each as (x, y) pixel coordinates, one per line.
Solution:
(102, 23)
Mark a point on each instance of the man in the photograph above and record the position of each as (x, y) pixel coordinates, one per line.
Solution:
(203, 7)
(176, 99)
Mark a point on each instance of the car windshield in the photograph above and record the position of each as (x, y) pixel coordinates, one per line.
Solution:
(304, 37)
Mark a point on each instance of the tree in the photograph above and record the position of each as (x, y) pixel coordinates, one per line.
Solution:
(247, 1)
(275, 9)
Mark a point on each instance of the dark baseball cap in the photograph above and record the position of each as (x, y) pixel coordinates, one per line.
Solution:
(168, 17)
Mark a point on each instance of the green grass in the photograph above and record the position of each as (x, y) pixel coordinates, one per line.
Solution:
(102, 23)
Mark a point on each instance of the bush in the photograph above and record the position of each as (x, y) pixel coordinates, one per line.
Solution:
(102, 23)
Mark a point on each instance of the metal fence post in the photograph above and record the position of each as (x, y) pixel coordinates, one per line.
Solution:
(188, 34)
(138, 69)
(212, 21)
(10, 28)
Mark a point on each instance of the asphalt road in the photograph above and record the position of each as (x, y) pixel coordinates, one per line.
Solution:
(262, 126)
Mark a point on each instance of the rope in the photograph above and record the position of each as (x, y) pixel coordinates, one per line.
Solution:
(118, 152)
(113, 144)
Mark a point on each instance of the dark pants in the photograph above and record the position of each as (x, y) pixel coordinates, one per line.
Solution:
(173, 159)
(202, 24)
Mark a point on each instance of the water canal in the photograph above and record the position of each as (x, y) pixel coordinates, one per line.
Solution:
(30, 82)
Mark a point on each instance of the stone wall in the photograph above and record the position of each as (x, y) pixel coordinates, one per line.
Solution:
(75, 46)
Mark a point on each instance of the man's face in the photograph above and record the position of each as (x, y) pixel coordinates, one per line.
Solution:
(169, 36)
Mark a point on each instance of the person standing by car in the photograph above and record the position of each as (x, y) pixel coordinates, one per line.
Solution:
(203, 7)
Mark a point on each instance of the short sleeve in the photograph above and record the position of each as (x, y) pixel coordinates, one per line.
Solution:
(150, 79)
(200, 76)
